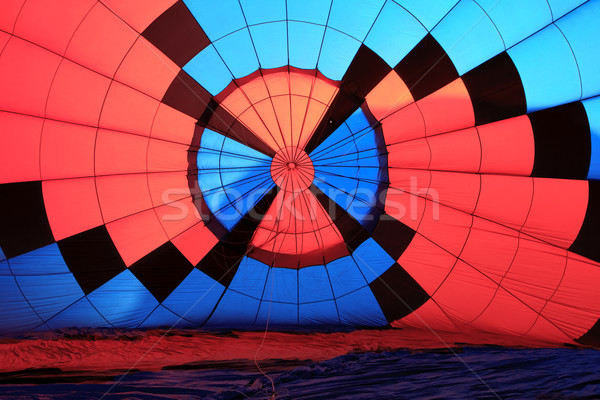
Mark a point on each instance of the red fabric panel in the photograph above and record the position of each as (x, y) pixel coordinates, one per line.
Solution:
(465, 293)
(429, 316)
(254, 123)
(411, 180)
(278, 83)
(411, 154)
(178, 216)
(301, 84)
(77, 94)
(67, 150)
(26, 73)
(267, 116)
(146, 69)
(506, 315)
(427, 263)
(10, 11)
(298, 111)
(390, 95)
(167, 187)
(171, 124)
(403, 125)
(405, 207)
(49, 24)
(536, 272)
(574, 307)
(314, 113)
(445, 226)
(545, 330)
(507, 147)
(490, 247)
(558, 210)
(4, 38)
(297, 223)
(71, 206)
(166, 156)
(19, 147)
(195, 242)
(447, 109)
(138, 13)
(120, 153)
(128, 110)
(237, 102)
(137, 235)
(456, 151)
(122, 195)
(455, 190)
(283, 110)
(101, 41)
(323, 90)
(505, 199)
(255, 90)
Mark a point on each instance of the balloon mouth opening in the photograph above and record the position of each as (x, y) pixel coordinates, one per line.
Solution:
(292, 169)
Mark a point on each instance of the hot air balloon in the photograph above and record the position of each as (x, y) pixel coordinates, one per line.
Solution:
(301, 164)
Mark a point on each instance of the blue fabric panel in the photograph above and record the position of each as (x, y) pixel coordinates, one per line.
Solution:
(195, 297)
(41, 269)
(347, 167)
(430, 12)
(161, 317)
(15, 313)
(314, 284)
(340, 141)
(357, 121)
(362, 205)
(258, 12)
(238, 53)
(123, 301)
(208, 69)
(282, 286)
(304, 44)
(558, 81)
(582, 29)
(337, 54)
(562, 7)
(277, 314)
(270, 41)
(232, 176)
(314, 11)
(209, 15)
(372, 259)
(242, 200)
(250, 278)
(345, 276)
(517, 19)
(2, 256)
(42, 261)
(232, 213)
(360, 308)
(468, 36)
(394, 34)
(354, 17)
(592, 108)
(80, 313)
(235, 154)
(321, 313)
(234, 309)
(340, 189)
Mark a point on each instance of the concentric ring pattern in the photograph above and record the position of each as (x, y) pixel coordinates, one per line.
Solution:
(306, 163)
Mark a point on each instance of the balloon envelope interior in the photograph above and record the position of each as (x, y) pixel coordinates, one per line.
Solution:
(301, 164)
